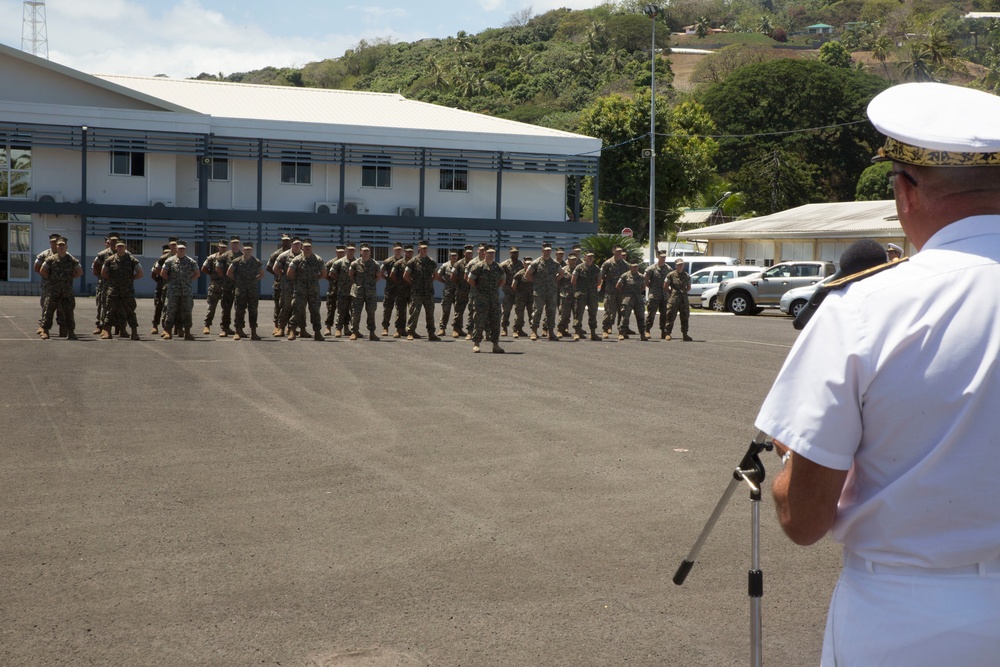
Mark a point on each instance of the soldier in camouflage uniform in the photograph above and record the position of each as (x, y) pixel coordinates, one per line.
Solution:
(522, 299)
(510, 266)
(246, 271)
(286, 245)
(331, 291)
(280, 269)
(421, 272)
(169, 250)
(228, 284)
(364, 274)
(59, 271)
(462, 292)
(586, 278)
(631, 287)
(402, 291)
(677, 285)
(470, 319)
(120, 271)
(39, 261)
(212, 267)
(109, 249)
(448, 293)
(543, 274)
(611, 271)
(305, 271)
(656, 301)
(566, 306)
(390, 289)
(561, 261)
(179, 271)
(342, 269)
(486, 278)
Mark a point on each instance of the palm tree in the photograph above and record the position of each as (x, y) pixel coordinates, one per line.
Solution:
(920, 66)
(438, 79)
(764, 25)
(881, 49)
(702, 27)
(462, 43)
(616, 60)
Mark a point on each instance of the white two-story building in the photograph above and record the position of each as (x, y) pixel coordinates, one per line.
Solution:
(150, 158)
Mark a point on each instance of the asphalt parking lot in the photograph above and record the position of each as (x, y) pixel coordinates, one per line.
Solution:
(361, 504)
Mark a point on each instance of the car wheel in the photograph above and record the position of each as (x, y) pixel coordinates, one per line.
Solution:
(739, 303)
(796, 307)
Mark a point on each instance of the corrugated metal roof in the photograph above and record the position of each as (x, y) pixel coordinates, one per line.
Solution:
(695, 216)
(842, 219)
(388, 112)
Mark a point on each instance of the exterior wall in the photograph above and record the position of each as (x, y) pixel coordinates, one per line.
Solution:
(478, 202)
(534, 196)
(55, 171)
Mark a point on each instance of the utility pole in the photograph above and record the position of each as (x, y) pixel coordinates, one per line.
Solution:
(34, 35)
(652, 11)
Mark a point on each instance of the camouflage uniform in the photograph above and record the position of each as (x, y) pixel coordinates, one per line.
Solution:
(245, 272)
(99, 260)
(449, 293)
(611, 271)
(276, 290)
(523, 300)
(58, 295)
(656, 301)
(462, 292)
(567, 302)
(364, 294)
(120, 291)
(180, 297)
(586, 295)
(305, 291)
(470, 319)
(331, 293)
(389, 292)
(679, 283)
(280, 266)
(223, 261)
(510, 267)
(211, 267)
(632, 292)
(402, 296)
(544, 281)
(342, 268)
(158, 295)
(422, 270)
(39, 260)
(487, 297)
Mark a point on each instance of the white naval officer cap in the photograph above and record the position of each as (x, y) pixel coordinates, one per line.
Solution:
(937, 125)
(894, 247)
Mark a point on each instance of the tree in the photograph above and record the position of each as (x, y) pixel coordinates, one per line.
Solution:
(835, 54)
(874, 183)
(603, 245)
(881, 49)
(520, 18)
(702, 27)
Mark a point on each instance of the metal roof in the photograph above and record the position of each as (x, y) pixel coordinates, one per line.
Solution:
(840, 220)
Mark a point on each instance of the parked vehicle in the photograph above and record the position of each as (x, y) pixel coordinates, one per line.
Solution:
(794, 300)
(710, 277)
(695, 263)
(709, 300)
(751, 294)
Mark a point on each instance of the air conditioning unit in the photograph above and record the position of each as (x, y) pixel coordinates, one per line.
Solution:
(355, 207)
(49, 197)
(328, 207)
(407, 211)
(161, 203)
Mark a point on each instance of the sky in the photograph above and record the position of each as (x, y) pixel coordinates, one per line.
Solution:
(183, 38)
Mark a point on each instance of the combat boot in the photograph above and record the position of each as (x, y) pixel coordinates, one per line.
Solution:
(354, 336)
(62, 331)
(39, 331)
(643, 336)
(497, 349)
(339, 333)
(534, 334)
(595, 337)
(253, 334)
(503, 331)
(455, 333)
(106, 334)
(431, 336)
(225, 332)
(97, 331)
(666, 337)
(475, 347)
(440, 332)
(385, 331)
(687, 338)
(291, 334)
(166, 335)
(71, 335)
(240, 334)
(154, 331)
(44, 335)
(317, 335)
(416, 335)
(207, 330)
(410, 337)
(397, 334)
(135, 334)
(372, 336)
(576, 337)
(277, 332)
(606, 334)
(552, 335)
(188, 335)
(326, 331)
(622, 336)
(663, 335)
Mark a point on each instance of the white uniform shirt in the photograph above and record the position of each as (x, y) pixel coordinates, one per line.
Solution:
(897, 378)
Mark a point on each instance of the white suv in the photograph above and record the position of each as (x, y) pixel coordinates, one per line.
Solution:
(708, 278)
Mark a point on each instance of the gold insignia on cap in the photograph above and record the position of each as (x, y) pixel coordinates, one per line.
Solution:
(929, 157)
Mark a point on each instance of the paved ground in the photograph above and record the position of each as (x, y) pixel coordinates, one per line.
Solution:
(393, 503)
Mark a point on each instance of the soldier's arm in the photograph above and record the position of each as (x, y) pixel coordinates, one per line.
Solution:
(529, 275)
(408, 276)
(260, 273)
(218, 271)
(44, 271)
(645, 280)
(104, 271)
(503, 280)
(138, 272)
(618, 286)
(322, 273)
(39, 262)
(96, 271)
(196, 274)
(471, 279)
(76, 273)
(573, 279)
(229, 272)
(290, 272)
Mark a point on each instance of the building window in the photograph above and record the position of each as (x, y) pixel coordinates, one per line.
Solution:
(134, 246)
(128, 159)
(297, 169)
(454, 177)
(376, 172)
(15, 171)
(381, 252)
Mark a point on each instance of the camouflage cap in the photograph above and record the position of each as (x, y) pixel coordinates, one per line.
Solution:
(661, 253)
(181, 244)
(408, 248)
(308, 243)
(234, 239)
(560, 249)
(248, 245)
(423, 244)
(453, 252)
(172, 239)
(528, 258)
(166, 246)
(468, 247)
(53, 237)
(514, 248)
(546, 246)
(296, 239)
(60, 240)
(350, 246)
(119, 242)
(340, 247)
(222, 243)
(286, 237)
(397, 245)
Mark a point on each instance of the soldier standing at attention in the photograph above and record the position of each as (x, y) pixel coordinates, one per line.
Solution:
(566, 288)
(543, 274)
(179, 271)
(676, 286)
(450, 288)
(211, 267)
(561, 261)
(228, 284)
(39, 260)
(510, 266)
(421, 272)
(331, 291)
(462, 293)
(286, 244)
(169, 250)
(586, 278)
(611, 271)
(656, 302)
(402, 291)
(280, 268)
(390, 288)
(246, 271)
(305, 272)
(522, 299)
(470, 320)
(95, 268)
(342, 269)
(486, 279)
(631, 287)
(59, 271)
(120, 271)
(364, 274)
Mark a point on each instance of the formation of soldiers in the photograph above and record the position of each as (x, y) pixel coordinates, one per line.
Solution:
(554, 292)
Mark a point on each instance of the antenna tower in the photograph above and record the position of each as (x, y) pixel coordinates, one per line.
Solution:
(34, 35)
